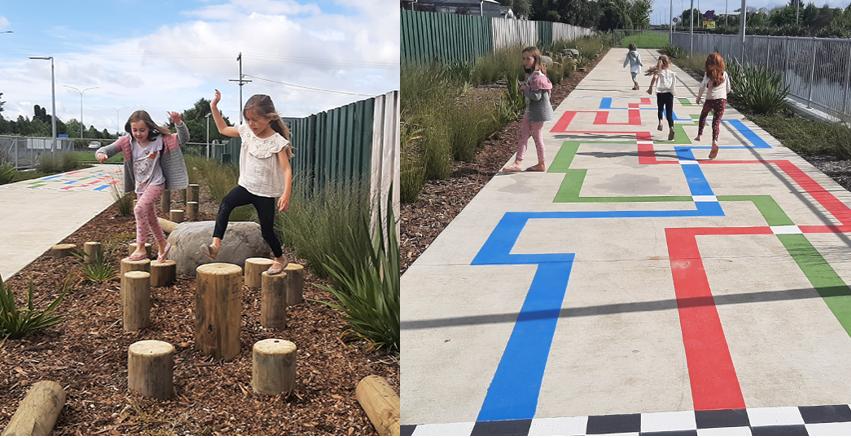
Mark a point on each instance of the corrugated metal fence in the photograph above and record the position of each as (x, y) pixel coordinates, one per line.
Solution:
(817, 70)
(429, 36)
(356, 142)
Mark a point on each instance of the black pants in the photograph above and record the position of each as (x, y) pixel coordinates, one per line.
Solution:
(666, 101)
(239, 196)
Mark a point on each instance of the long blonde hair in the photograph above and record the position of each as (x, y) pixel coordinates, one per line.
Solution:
(539, 63)
(153, 128)
(262, 105)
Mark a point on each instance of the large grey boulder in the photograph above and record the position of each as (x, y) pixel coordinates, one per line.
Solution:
(547, 61)
(242, 241)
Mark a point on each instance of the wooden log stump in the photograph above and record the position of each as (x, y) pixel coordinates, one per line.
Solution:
(253, 268)
(139, 265)
(131, 248)
(93, 251)
(167, 225)
(38, 412)
(273, 367)
(295, 284)
(177, 216)
(136, 300)
(273, 300)
(218, 309)
(62, 250)
(165, 202)
(192, 193)
(191, 211)
(163, 274)
(381, 404)
(150, 369)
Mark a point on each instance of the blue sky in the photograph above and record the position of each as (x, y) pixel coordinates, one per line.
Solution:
(661, 7)
(163, 56)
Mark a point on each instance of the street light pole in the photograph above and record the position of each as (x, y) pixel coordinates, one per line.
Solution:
(117, 118)
(53, 95)
(208, 135)
(82, 125)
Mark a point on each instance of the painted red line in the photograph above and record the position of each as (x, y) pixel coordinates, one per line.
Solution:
(67, 187)
(714, 383)
(564, 122)
(647, 155)
(809, 229)
(71, 173)
(645, 101)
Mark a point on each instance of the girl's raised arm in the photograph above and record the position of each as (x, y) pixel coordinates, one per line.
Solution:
(221, 125)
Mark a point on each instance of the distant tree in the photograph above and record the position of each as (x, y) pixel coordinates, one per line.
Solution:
(553, 16)
(2, 102)
(462, 10)
(196, 121)
(583, 13)
(520, 7)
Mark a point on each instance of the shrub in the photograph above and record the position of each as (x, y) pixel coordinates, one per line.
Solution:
(16, 323)
(7, 173)
(57, 163)
(123, 201)
(759, 89)
(97, 269)
(673, 51)
(468, 127)
(369, 288)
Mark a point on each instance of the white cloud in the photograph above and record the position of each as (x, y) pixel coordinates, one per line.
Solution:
(175, 65)
(4, 22)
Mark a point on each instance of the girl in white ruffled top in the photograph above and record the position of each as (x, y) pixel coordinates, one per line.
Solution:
(264, 172)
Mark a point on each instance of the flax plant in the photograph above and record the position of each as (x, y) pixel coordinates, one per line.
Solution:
(16, 323)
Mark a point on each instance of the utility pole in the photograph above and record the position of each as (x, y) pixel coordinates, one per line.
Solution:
(241, 83)
(744, 19)
(671, 25)
(691, 29)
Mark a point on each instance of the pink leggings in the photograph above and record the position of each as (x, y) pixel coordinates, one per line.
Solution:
(146, 215)
(535, 130)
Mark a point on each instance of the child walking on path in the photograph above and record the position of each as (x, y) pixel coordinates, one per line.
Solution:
(716, 84)
(538, 109)
(153, 163)
(633, 59)
(264, 172)
(666, 89)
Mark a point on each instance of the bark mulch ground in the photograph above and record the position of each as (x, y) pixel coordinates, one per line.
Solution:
(440, 201)
(87, 354)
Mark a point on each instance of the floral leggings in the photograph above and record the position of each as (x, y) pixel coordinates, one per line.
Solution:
(146, 215)
(532, 129)
(717, 107)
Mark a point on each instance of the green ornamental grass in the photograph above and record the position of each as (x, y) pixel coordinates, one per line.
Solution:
(16, 323)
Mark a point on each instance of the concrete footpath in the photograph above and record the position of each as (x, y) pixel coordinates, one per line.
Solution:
(636, 287)
(37, 214)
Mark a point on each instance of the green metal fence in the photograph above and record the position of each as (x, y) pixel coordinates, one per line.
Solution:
(429, 36)
(334, 145)
(545, 33)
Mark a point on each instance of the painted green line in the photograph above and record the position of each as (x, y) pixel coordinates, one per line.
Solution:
(575, 178)
(685, 102)
(834, 291)
(32, 186)
(768, 207)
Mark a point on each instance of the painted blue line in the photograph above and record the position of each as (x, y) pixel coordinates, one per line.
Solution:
(695, 178)
(516, 385)
(51, 177)
(606, 104)
(752, 137)
(70, 182)
(101, 188)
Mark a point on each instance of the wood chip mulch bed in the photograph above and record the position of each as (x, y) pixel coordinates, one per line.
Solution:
(440, 201)
(87, 355)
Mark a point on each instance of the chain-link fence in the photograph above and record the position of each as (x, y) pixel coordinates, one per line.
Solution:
(817, 70)
(24, 152)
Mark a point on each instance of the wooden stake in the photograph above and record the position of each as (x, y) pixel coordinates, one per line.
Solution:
(177, 216)
(192, 193)
(381, 404)
(273, 301)
(38, 412)
(62, 250)
(273, 367)
(136, 302)
(139, 265)
(163, 274)
(165, 202)
(253, 268)
(93, 250)
(150, 369)
(218, 309)
(295, 284)
(131, 248)
(191, 210)
(167, 225)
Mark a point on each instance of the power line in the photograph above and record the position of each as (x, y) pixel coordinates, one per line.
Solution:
(308, 88)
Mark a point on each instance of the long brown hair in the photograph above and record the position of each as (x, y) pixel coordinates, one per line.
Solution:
(153, 128)
(262, 105)
(539, 63)
(715, 69)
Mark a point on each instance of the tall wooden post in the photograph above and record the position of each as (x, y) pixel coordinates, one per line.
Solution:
(191, 211)
(218, 309)
(136, 302)
(295, 284)
(163, 274)
(165, 202)
(273, 301)
(192, 193)
(253, 268)
(93, 250)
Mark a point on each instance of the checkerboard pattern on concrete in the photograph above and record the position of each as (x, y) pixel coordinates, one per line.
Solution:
(636, 284)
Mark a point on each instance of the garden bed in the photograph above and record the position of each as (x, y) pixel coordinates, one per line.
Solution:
(87, 355)
(440, 201)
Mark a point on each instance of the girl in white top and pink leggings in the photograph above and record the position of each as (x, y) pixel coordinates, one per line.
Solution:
(264, 172)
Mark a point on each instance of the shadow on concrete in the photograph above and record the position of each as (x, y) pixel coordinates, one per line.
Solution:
(648, 306)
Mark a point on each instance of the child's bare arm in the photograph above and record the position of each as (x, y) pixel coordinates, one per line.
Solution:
(284, 161)
(221, 125)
